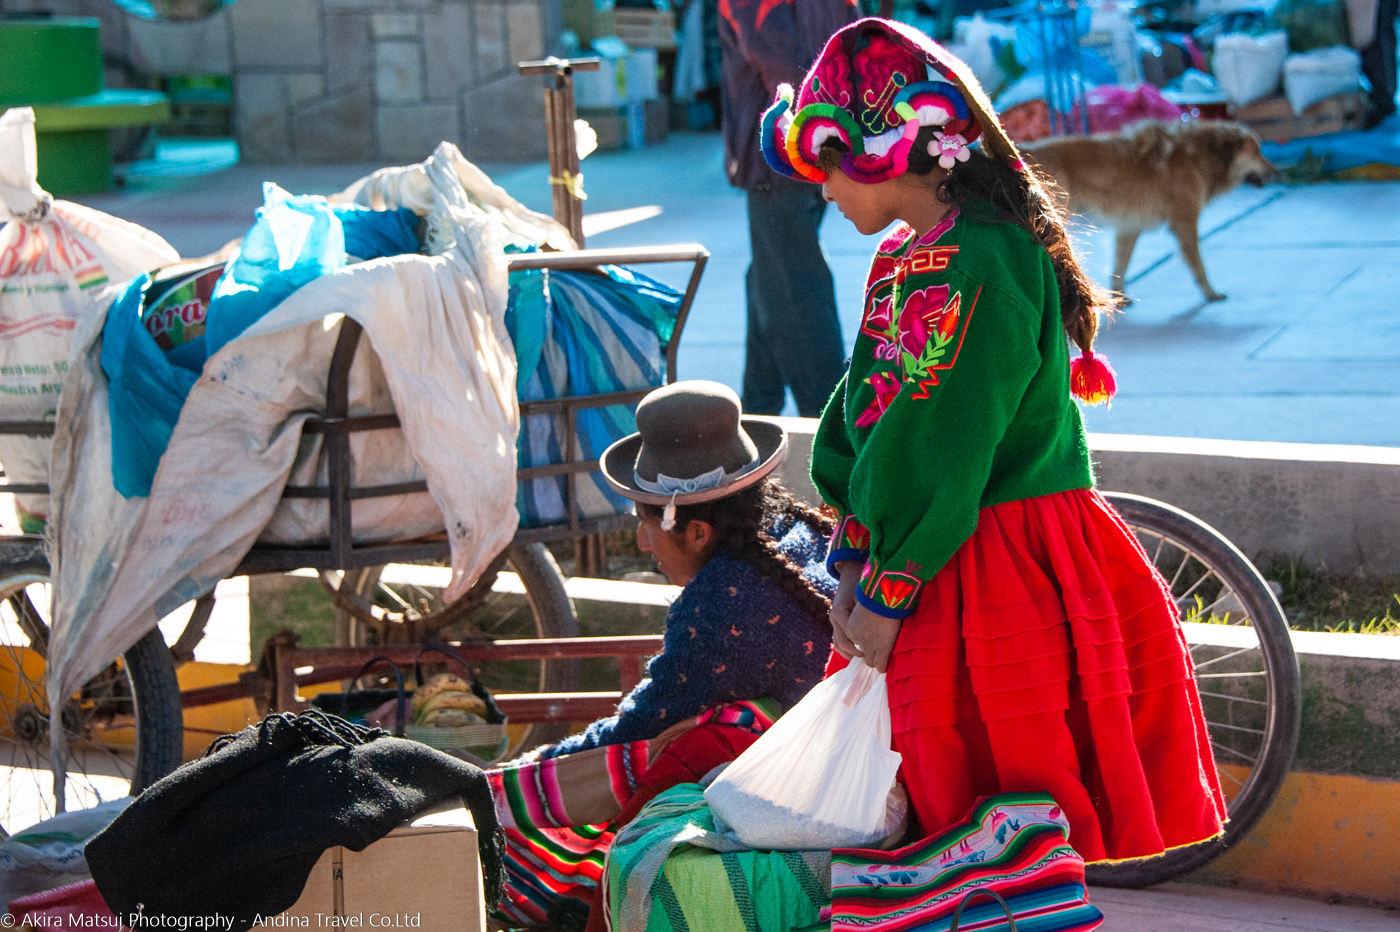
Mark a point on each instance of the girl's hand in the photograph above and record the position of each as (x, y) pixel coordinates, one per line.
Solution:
(841, 605)
(873, 635)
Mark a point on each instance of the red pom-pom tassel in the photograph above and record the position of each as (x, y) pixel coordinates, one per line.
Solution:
(1091, 378)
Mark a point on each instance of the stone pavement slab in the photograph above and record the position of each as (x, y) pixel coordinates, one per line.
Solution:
(1305, 349)
(1182, 907)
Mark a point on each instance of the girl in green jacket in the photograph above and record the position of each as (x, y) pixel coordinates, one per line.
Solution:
(1030, 644)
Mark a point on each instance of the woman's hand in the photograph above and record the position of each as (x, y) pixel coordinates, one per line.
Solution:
(855, 630)
(872, 635)
(841, 606)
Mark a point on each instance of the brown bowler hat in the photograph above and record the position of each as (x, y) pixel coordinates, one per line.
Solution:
(692, 445)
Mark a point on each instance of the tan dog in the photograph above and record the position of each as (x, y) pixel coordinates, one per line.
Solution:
(1153, 173)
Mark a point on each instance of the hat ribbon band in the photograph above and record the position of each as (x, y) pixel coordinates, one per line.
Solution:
(669, 485)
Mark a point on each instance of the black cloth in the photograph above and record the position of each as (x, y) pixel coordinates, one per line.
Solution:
(1378, 62)
(237, 832)
(793, 338)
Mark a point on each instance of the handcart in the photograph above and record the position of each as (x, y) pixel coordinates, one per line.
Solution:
(127, 721)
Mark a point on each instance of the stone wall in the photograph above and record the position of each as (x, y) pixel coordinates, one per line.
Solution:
(367, 81)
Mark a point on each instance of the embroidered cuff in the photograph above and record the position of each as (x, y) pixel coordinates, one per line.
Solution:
(887, 592)
(850, 541)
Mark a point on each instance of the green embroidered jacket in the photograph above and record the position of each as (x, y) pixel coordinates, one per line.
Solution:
(957, 399)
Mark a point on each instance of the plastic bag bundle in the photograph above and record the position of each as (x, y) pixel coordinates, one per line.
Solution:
(151, 364)
(55, 258)
(822, 777)
(1248, 67)
(577, 333)
(1317, 75)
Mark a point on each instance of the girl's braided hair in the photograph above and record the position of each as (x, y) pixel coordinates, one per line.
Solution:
(741, 524)
(1021, 196)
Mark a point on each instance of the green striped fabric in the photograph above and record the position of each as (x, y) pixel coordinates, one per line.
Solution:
(669, 871)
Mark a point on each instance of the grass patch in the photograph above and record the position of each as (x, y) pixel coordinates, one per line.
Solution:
(278, 602)
(1315, 600)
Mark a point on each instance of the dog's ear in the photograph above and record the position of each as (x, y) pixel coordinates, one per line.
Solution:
(1227, 140)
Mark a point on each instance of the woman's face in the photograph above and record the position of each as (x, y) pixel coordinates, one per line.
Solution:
(868, 206)
(680, 555)
(873, 207)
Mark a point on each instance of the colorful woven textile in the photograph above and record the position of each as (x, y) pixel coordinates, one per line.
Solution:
(1016, 844)
(670, 872)
(578, 333)
(560, 814)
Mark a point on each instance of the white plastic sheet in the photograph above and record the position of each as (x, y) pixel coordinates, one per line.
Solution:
(1248, 67)
(55, 256)
(1319, 74)
(435, 337)
(822, 777)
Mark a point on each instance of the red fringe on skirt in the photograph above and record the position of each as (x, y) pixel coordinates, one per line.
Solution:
(1046, 656)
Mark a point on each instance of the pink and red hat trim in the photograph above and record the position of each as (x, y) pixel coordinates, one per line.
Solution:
(874, 86)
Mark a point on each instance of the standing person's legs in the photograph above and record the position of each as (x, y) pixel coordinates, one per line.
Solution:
(794, 335)
(1378, 63)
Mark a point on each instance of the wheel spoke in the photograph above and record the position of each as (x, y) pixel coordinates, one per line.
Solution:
(1229, 776)
(1230, 750)
(1185, 559)
(1234, 653)
(1221, 676)
(1252, 731)
(1234, 698)
(1196, 585)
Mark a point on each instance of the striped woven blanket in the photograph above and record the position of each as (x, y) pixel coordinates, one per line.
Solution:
(1015, 844)
(578, 333)
(559, 814)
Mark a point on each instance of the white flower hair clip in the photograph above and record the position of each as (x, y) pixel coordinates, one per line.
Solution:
(948, 148)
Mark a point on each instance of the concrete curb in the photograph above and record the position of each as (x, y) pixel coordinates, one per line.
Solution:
(1332, 505)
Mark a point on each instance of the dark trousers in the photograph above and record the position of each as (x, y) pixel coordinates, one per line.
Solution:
(794, 335)
(1378, 62)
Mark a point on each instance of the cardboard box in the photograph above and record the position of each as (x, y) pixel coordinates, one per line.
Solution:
(618, 81)
(646, 29)
(424, 875)
(1273, 119)
(631, 126)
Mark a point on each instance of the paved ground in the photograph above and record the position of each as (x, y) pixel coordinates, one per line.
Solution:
(1182, 907)
(1304, 350)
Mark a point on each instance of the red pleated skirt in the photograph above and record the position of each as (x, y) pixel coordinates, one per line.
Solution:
(1047, 656)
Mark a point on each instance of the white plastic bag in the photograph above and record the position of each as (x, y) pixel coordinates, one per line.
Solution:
(1319, 74)
(822, 777)
(54, 258)
(1248, 67)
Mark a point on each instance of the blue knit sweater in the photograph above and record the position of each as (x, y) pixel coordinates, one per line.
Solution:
(732, 634)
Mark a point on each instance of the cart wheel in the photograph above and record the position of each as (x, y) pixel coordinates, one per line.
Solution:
(403, 609)
(125, 726)
(1247, 676)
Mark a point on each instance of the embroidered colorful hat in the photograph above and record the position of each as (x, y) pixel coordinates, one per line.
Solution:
(875, 84)
(692, 445)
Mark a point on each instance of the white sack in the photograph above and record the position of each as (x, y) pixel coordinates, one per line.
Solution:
(436, 325)
(54, 258)
(822, 777)
(1248, 67)
(1319, 74)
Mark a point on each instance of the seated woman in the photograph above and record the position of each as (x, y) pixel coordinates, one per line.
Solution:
(746, 639)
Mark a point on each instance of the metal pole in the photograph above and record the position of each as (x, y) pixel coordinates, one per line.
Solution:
(559, 116)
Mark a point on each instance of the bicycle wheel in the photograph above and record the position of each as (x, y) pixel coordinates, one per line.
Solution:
(1245, 668)
(405, 605)
(124, 727)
